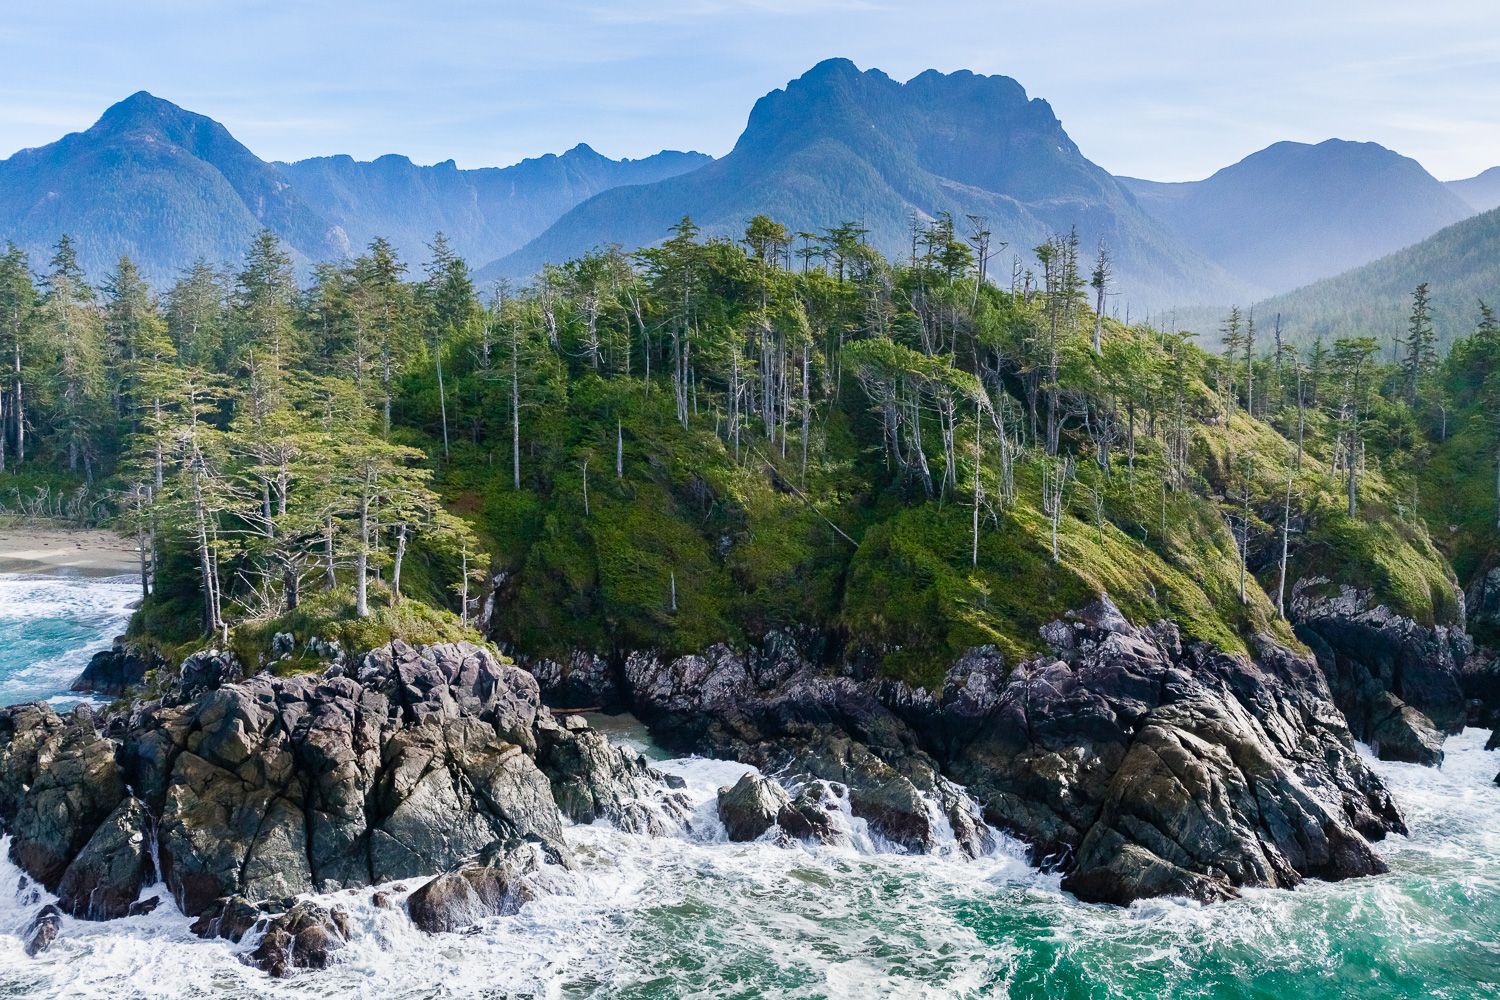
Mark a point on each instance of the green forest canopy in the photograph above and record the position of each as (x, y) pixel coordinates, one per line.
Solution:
(708, 440)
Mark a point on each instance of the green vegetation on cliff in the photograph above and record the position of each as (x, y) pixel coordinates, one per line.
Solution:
(712, 439)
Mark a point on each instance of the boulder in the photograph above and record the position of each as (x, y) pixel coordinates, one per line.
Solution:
(113, 671)
(43, 930)
(230, 918)
(1399, 732)
(505, 877)
(143, 906)
(304, 937)
(751, 806)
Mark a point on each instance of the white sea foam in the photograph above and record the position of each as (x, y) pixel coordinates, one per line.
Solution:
(693, 915)
(51, 625)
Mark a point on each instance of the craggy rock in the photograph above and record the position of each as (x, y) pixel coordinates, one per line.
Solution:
(1480, 680)
(103, 881)
(143, 906)
(59, 780)
(1399, 732)
(773, 709)
(43, 930)
(230, 918)
(1134, 764)
(585, 680)
(756, 804)
(249, 793)
(1364, 649)
(113, 671)
(304, 937)
(504, 877)
(752, 806)
(203, 671)
(593, 780)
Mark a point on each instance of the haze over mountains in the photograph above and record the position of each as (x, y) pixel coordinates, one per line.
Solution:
(167, 186)
(1293, 213)
(838, 144)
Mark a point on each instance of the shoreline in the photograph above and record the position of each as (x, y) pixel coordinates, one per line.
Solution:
(90, 552)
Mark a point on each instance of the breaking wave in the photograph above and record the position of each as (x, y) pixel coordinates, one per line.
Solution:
(692, 915)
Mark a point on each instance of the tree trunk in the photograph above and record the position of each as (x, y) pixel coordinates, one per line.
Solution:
(442, 397)
(515, 409)
(140, 543)
(1286, 527)
(396, 566)
(805, 412)
(17, 404)
(362, 562)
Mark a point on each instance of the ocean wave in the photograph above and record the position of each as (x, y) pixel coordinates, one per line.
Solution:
(51, 625)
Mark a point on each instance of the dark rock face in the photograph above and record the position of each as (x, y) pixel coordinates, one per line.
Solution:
(254, 791)
(1365, 651)
(585, 680)
(1135, 765)
(59, 780)
(44, 928)
(103, 881)
(113, 671)
(497, 884)
(774, 710)
(592, 780)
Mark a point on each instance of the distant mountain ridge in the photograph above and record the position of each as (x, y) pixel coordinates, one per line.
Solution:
(1481, 191)
(167, 186)
(841, 145)
(838, 144)
(484, 213)
(156, 182)
(1460, 264)
(1294, 213)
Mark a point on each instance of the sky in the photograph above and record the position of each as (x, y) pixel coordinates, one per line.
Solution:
(1162, 89)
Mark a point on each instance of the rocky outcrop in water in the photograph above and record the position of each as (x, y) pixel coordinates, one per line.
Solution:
(242, 794)
(1136, 764)
(1399, 684)
(497, 883)
(113, 671)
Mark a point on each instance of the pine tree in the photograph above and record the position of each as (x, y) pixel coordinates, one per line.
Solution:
(1421, 345)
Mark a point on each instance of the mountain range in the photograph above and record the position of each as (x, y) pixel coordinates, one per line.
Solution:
(1459, 264)
(843, 145)
(167, 186)
(1294, 213)
(838, 144)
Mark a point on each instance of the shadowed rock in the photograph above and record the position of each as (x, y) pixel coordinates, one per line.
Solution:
(505, 877)
(43, 930)
(103, 881)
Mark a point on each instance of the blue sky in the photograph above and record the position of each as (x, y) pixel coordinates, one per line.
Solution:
(1165, 89)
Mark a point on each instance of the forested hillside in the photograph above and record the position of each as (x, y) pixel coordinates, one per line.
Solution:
(1459, 264)
(1294, 212)
(713, 439)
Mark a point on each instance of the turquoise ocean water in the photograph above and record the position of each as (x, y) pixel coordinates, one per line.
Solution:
(691, 915)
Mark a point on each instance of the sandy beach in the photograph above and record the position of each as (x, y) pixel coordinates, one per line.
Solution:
(88, 552)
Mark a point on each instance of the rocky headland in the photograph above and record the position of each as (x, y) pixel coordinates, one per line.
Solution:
(1133, 762)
